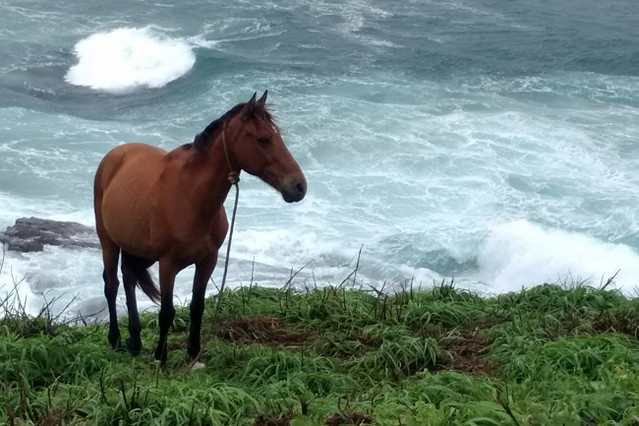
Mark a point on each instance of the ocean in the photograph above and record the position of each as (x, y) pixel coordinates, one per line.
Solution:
(488, 142)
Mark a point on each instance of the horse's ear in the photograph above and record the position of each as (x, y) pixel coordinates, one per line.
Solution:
(249, 107)
(261, 101)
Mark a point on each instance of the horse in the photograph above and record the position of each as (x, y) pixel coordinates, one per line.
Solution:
(167, 207)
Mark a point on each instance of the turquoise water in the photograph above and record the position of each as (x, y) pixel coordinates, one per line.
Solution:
(494, 142)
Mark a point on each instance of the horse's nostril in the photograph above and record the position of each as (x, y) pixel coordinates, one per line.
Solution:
(300, 188)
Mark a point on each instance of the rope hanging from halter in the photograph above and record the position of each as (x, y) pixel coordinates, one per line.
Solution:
(234, 179)
(234, 176)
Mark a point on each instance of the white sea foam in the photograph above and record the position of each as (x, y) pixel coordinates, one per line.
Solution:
(520, 253)
(16, 207)
(15, 293)
(127, 58)
(62, 276)
(68, 281)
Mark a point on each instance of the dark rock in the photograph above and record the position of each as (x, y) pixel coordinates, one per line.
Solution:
(32, 234)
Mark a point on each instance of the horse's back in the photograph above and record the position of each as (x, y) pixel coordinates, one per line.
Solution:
(128, 156)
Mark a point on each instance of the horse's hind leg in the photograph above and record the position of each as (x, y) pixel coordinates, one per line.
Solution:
(110, 255)
(130, 279)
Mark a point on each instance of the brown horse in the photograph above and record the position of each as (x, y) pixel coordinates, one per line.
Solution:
(151, 206)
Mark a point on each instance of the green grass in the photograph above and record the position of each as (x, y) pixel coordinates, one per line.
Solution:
(547, 355)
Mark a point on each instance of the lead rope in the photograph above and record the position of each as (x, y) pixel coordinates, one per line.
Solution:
(234, 179)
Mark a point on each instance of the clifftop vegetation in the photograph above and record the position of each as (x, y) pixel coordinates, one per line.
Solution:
(328, 356)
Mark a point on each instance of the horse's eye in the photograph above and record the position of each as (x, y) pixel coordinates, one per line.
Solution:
(264, 141)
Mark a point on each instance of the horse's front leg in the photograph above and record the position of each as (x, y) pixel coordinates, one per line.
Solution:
(168, 271)
(203, 271)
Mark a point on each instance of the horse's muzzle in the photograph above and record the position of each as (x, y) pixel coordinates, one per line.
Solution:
(293, 190)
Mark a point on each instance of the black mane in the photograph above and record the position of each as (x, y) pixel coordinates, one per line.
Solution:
(201, 138)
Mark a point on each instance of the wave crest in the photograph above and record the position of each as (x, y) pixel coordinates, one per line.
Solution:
(128, 58)
(525, 253)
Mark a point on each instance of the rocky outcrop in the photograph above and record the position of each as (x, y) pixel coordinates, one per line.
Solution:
(32, 234)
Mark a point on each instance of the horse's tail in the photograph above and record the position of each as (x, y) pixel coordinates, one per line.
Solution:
(139, 267)
(148, 286)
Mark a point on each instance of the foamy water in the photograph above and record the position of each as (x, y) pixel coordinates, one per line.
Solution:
(526, 253)
(128, 58)
(503, 159)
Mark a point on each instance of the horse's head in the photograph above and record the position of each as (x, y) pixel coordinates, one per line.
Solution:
(255, 144)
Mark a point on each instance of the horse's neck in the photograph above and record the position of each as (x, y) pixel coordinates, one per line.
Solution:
(208, 175)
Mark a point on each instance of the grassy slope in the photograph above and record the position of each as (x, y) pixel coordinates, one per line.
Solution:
(544, 356)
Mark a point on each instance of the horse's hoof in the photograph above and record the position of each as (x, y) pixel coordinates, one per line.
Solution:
(159, 362)
(196, 366)
(133, 348)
